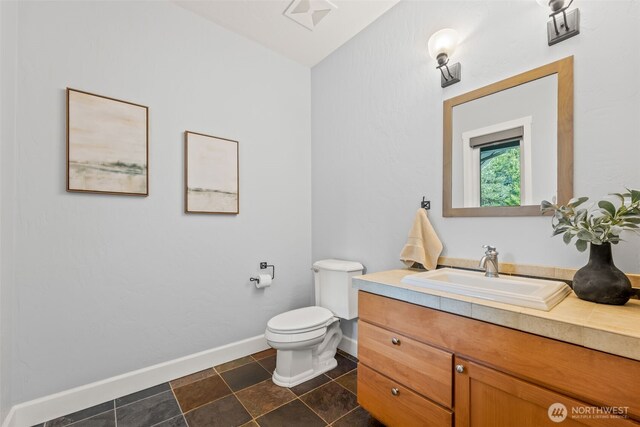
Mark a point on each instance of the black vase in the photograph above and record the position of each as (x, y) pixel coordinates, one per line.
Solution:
(600, 280)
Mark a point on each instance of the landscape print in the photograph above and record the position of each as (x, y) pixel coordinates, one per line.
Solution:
(107, 145)
(211, 174)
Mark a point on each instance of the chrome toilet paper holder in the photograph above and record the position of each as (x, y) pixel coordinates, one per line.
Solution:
(264, 266)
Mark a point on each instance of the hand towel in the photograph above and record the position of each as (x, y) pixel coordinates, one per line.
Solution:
(423, 244)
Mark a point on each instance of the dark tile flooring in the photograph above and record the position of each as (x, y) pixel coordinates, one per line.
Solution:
(237, 393)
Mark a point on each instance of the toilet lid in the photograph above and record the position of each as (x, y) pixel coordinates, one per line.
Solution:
(301, 319)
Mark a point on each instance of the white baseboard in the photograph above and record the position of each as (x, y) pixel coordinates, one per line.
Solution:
(69, 401)
(349, 345)
(9, 421)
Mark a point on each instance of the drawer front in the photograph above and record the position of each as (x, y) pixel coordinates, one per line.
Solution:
(423, 368)
(396, 405)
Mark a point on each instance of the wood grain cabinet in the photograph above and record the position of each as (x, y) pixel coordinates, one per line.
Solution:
(424, 367)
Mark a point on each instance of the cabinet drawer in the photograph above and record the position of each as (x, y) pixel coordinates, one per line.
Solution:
(404, 408)
(423, 368)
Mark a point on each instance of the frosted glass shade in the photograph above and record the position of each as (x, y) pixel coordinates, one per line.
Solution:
(443, 41)
(555, 5)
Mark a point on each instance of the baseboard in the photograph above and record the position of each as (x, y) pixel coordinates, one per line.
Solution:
(69, 401)
(349, 345)
(9, 421)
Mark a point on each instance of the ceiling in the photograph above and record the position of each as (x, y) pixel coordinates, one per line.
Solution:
(264, 21)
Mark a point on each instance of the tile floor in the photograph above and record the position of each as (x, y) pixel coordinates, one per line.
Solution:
(237, 393)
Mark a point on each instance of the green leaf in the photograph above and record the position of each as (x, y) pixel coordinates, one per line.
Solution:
(581, 245)
(567, 238)
(559, 230)
(585, 235)
(618, 195)
(635, 196)
(608, 207)
(577, 201)
(632, 220)
(545, 205)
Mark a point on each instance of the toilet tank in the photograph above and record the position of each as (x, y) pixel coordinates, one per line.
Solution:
(332, 278)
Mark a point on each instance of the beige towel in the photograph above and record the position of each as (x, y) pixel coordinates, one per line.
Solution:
(423, 244)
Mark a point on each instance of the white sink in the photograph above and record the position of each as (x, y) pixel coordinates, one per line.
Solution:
(520, 291)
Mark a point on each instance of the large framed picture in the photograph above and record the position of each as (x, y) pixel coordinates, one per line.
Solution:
(211, 174)
(107, 145)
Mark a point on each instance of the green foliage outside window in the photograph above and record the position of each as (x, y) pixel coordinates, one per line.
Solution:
(500, 175)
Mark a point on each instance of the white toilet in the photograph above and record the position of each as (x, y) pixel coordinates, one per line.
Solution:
(307, 338)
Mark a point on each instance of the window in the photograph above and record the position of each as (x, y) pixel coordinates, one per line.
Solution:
(500, 174)
(497, 165)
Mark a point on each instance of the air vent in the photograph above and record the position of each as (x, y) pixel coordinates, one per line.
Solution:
(309, 13)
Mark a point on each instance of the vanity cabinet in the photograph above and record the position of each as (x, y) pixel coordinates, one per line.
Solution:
(424, 367)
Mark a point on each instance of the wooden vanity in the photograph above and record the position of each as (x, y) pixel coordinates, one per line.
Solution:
(421, 366)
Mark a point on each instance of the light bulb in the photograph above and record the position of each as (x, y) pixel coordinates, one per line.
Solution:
(443, 42)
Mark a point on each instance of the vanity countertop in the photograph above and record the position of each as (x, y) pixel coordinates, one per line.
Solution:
(609, 328)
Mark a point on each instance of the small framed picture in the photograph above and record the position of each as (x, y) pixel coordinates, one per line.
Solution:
(107, 145)
(211, 174)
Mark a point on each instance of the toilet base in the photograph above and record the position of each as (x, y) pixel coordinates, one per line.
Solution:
(293, 381)
(296, 366)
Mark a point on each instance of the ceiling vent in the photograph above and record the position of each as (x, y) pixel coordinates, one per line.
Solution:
(309, 13)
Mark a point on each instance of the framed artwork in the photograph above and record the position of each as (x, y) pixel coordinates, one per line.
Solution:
(211, 174)
(107, 145)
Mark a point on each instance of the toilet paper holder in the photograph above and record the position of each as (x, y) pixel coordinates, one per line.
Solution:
(264, 266)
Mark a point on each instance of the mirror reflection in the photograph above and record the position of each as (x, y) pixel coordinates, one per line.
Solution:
(504, 147)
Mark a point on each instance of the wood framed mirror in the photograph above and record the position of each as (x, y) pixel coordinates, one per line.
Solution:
(509, 145)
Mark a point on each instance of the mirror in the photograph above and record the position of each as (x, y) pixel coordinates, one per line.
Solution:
(509, 145)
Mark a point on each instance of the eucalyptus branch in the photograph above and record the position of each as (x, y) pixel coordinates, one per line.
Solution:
(595, 225)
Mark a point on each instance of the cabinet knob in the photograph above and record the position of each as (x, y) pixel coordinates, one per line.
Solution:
(459, 369)
(395, 341)
(395, 391)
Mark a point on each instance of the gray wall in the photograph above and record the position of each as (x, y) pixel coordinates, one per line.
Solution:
(377, 126)
(109, 284)
(8, 27)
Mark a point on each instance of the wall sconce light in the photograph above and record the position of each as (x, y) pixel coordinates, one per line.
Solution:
(568, 26)
(441, 45)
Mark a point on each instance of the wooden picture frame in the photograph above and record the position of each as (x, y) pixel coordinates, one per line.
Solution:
(212, 175)
(107, 145)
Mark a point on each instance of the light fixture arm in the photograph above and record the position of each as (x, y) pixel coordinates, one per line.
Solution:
(563, 10)
(443, 60)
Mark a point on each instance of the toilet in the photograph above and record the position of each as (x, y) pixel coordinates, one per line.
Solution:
(306, 339)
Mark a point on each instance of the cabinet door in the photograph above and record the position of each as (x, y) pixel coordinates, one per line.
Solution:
(486, 397)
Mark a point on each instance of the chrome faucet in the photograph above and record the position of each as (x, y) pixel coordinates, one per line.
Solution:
(491, 267)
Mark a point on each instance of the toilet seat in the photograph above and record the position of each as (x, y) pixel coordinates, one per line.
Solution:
(301, 320)
(309, 336)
